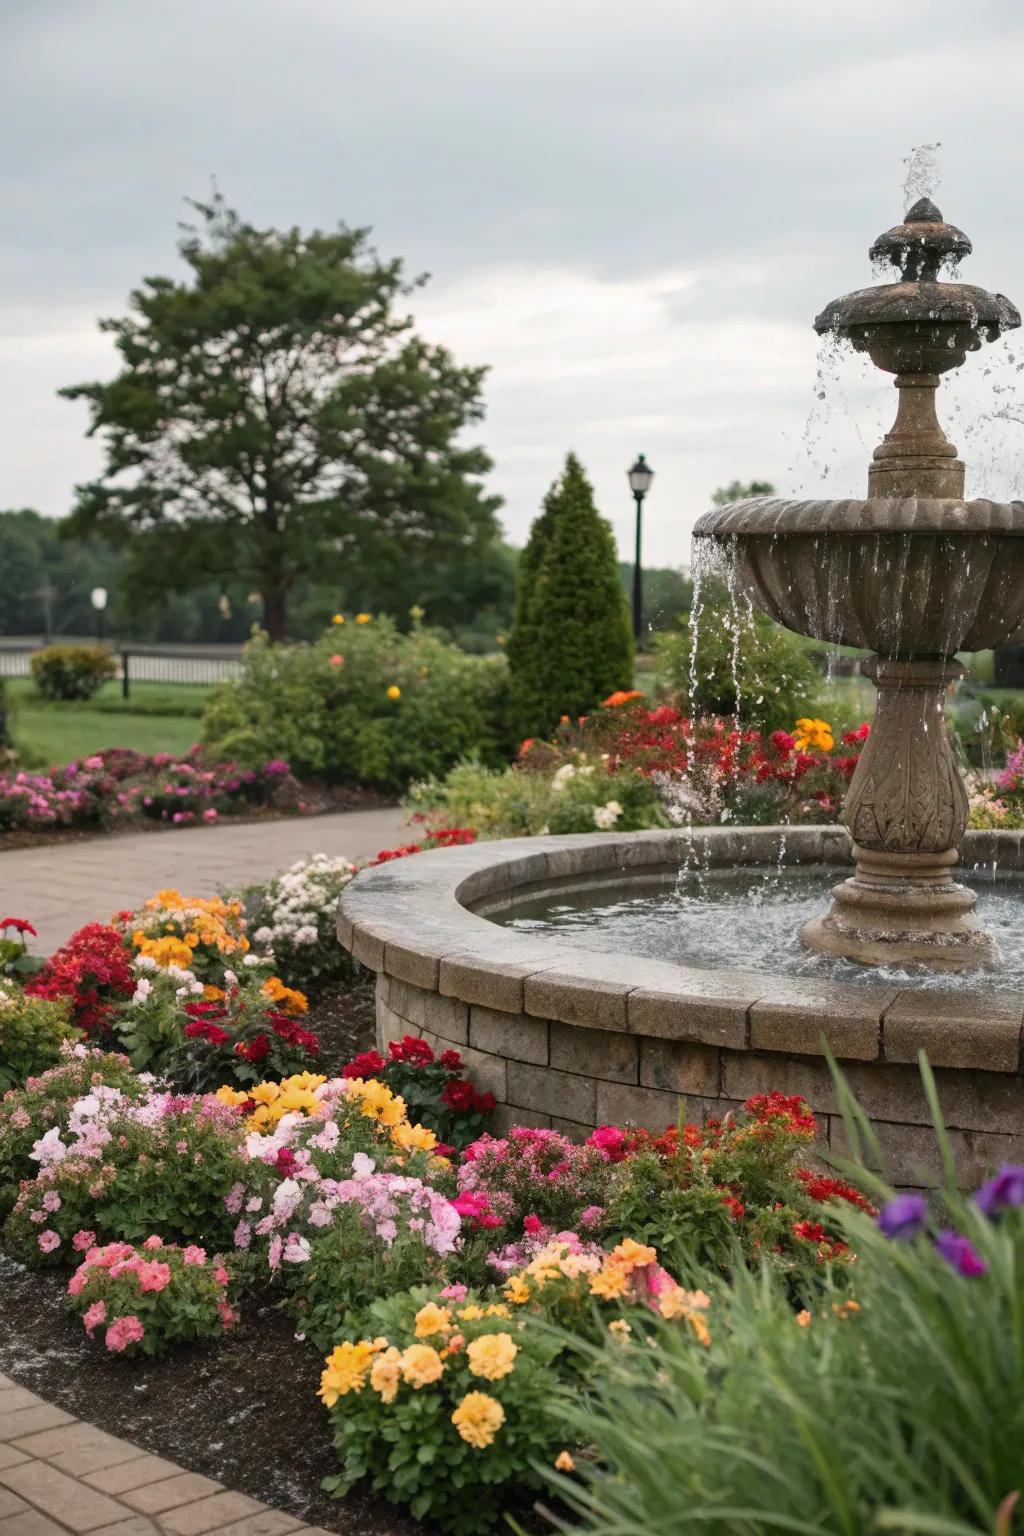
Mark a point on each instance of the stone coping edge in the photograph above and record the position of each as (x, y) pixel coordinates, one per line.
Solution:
(413, 919)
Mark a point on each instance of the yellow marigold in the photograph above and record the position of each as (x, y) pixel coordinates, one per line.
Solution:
(492, 1356)
(414, 1138)
(386, 1374)
(478, 1419)
(290, 1001)
(166, 952)
(337, 618)
(609, 1282)
(564, 1462)
(431, 1320)
(345, 1369)
(813, 733)
(421, 1365)
(517, 1290)
(363, 618)
(630, 1255)
(213, 994)
(394, 692)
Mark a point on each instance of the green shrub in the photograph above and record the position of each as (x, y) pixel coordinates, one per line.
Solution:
(71, 671)
(32, 1030)
(571, 644)
(365, 704)
(513, 803)
(745, 665)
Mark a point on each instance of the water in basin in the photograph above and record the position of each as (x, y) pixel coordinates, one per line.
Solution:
(750, 919)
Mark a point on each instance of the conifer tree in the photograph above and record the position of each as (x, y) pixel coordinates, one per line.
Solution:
(571, 644)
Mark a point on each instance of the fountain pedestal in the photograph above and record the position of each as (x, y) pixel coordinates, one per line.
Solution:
(907, 811)
(913, 573)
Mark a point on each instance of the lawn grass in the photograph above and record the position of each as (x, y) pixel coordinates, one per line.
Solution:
(158, 717)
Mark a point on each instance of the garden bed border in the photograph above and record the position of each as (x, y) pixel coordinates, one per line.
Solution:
(571, 1039)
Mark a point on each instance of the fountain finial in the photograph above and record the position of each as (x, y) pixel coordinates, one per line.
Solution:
(922, 244)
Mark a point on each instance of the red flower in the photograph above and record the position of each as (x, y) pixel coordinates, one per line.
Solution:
(412, 1050)
(789, 1113)
(91, 971)
(821, 1188)
(19, 924)
(200, 1029)
(451, 1060)
(459, 1095)
(256, 1050)
(366, 1064)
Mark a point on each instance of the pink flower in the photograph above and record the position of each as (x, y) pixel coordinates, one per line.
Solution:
(48, 1240)
(51, 1201)
(337, 661)
(83, 1240)
(153, 1242)
(210, 814)
(153, 1276)
(591, 1215)
(78, 1280)
(243, 1235)
(220, 1274)
(95, 1315)
(455, 1292)
(193, 1254)
(532, 1225)
(227, 1317)
(274, 1252)
(124, 1331)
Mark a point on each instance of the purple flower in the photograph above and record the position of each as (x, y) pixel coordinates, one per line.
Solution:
(1005, 1189)
(960, 1252)
(903, 1217)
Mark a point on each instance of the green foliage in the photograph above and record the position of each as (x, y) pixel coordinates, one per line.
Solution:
(71, 671)
(667, 594)
(511, 802)
(571, 643)
(745, 665)
(740, 490)
(276, 419)
(32, 1031)
(326, 707)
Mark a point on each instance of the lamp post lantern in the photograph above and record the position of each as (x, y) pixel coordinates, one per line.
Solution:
(639, 476)
(98, 596)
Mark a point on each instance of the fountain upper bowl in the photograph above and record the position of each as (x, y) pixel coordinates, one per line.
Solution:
(901, 577)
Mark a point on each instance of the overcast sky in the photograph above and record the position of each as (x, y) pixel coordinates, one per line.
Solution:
(632, 212)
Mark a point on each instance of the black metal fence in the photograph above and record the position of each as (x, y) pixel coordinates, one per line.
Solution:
(203, 665)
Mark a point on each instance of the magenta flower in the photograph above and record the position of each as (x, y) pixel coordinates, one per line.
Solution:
(903, 1217)
(960, 1252)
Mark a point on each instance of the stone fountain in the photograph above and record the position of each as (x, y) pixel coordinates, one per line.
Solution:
(913, 573)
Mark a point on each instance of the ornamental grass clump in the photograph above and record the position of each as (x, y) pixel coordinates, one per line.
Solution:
(889, 1400)
(148, 1299)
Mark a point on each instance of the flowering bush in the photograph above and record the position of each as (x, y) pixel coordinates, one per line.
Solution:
(71, 671)
(141, 1300)
(202, 1036)
(91, 972)
(119, 1167)
(365, 705)
(292, 920)
(120, 786)
(200, 934)
(44, 1104)
(528, 1180)
(733, 1186)
(32, 1031)
(434, 1087)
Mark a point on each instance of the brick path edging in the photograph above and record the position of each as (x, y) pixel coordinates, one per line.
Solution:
(62, 1477)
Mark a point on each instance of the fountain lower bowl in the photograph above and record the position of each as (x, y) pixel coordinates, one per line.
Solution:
(574, 1039)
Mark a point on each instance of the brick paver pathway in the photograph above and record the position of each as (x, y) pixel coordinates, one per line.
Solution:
(61, 886)
(62, 1477)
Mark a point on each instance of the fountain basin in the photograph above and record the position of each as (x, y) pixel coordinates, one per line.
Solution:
(574, 1039)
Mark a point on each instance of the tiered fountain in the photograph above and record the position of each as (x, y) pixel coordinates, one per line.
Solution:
(914, 573)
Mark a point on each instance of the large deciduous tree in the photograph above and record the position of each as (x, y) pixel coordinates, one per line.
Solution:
(276, 418)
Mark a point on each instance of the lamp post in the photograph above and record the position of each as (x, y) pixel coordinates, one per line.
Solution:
(98, 596)
(639, 476)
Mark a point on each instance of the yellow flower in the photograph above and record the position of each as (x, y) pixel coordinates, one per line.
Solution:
(265, 1093)
(492, 1356)
(337, 618)
(377, 1102)
(421, 1365)
(517, 1290)
(229, 1095)
(431, 1320)
(608, 1283)
(630, 1255)
(416, 613)
(290, 1001)
(414, 1138)
(471, 1313)
(213, 994)
(345, 1369)
(478, 1419)
(386, 1374)
(363, 618)
(813, 733)
(564, 1462)
(394, 692)
(497, 1309)
(620, 1328)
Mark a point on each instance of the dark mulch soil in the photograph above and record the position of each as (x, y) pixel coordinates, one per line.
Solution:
(320, 801)
(243, 1411)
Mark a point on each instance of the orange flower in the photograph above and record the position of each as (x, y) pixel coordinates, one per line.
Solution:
(621, 696)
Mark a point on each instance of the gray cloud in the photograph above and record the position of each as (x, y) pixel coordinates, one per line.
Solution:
(632, 213)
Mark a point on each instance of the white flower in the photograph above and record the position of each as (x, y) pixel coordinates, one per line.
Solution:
(263, 935)
(296, 1249)
(230, 979)
(142, 991)
(251, 959)
(305, 935)
(145, 963)
(605, 816)
(562, 776)
(49, 1149)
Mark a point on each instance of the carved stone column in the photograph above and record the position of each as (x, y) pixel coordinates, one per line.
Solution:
(906, 810)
